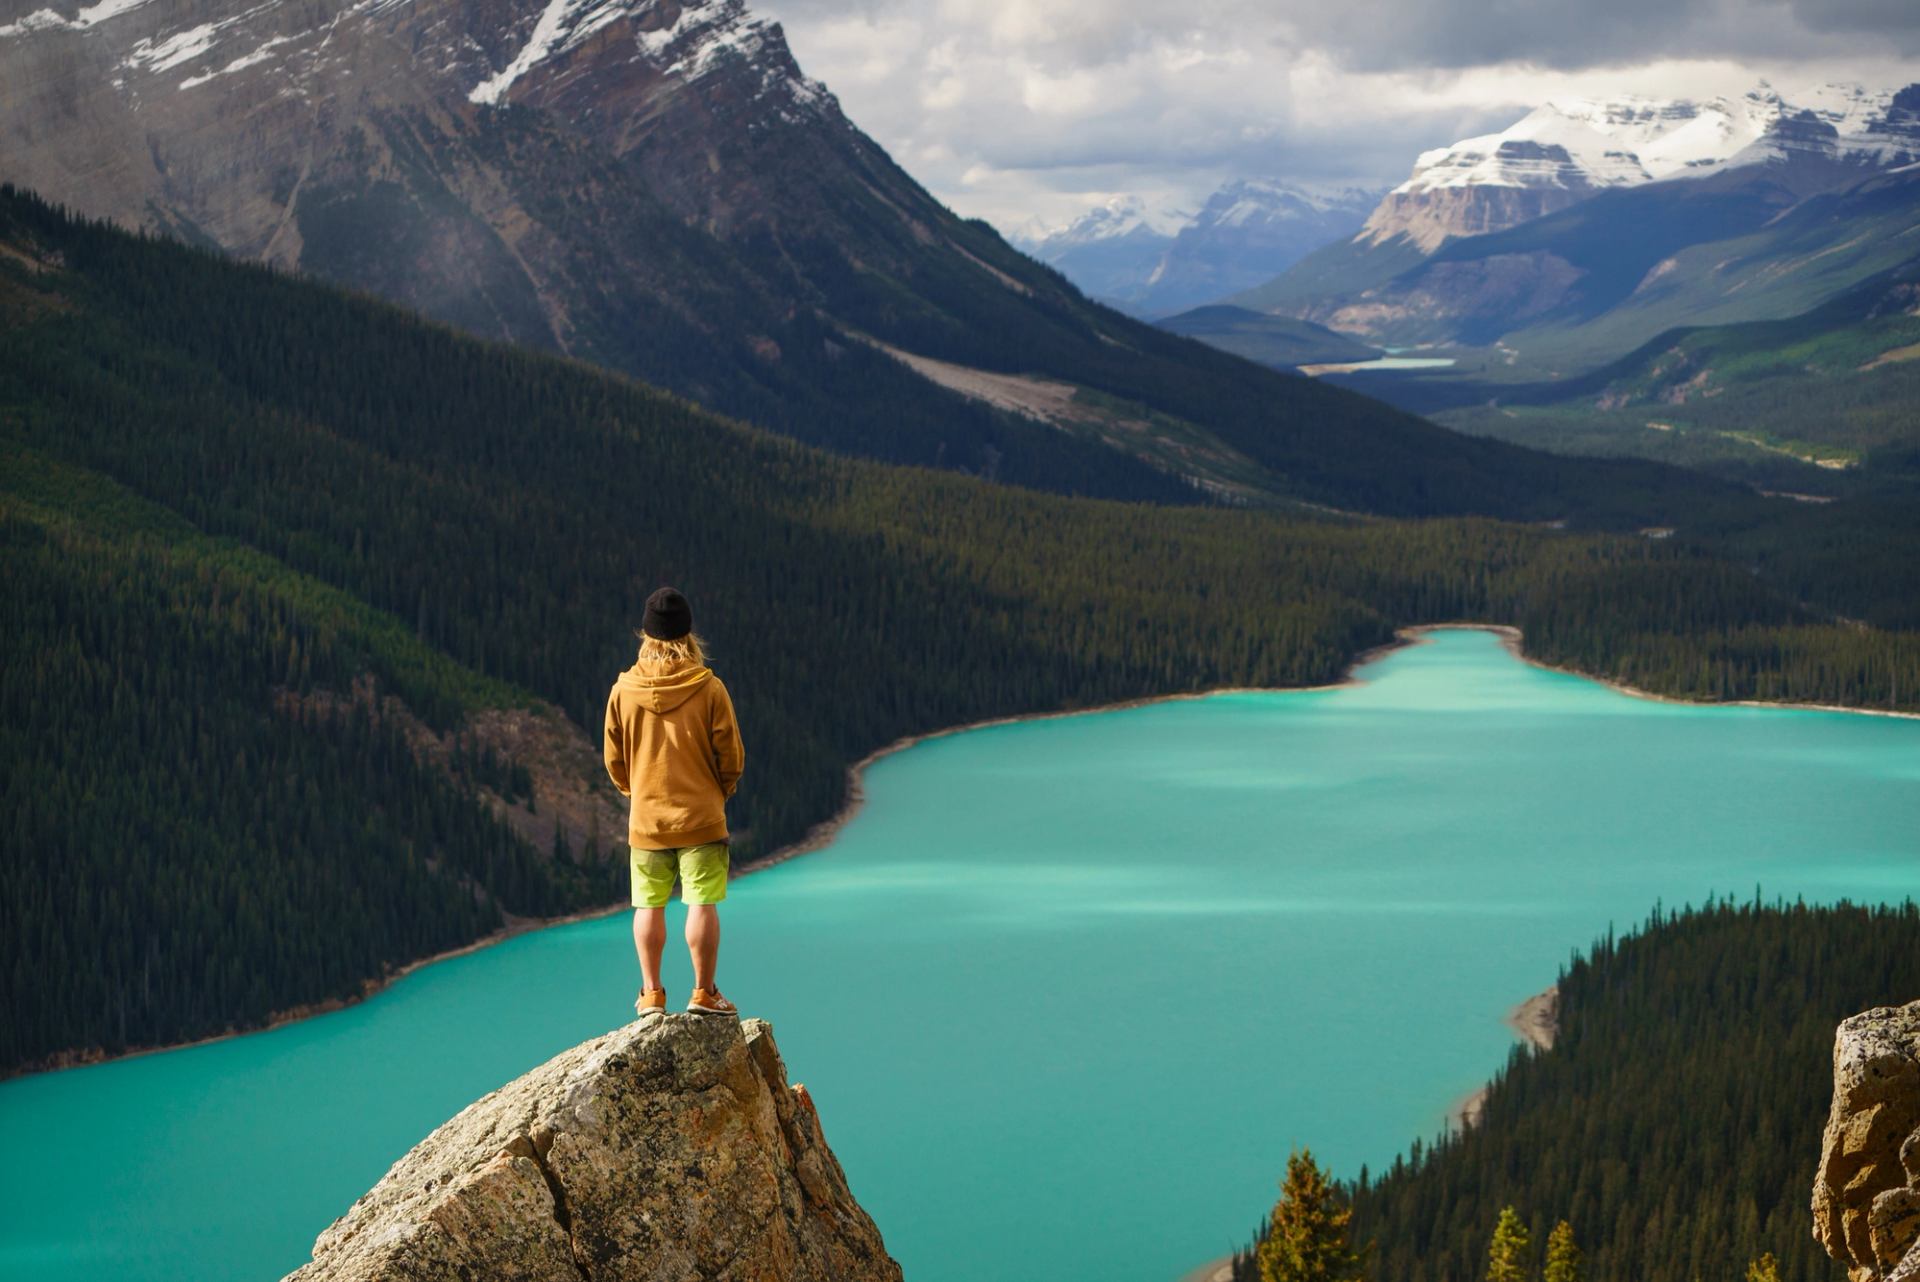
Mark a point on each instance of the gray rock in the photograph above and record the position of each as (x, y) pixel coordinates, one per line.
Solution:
(672, 1148)
(1866, 1196)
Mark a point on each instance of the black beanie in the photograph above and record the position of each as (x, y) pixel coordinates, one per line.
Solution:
(669, 617)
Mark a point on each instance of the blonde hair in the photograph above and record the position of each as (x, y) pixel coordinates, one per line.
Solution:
(665, 655)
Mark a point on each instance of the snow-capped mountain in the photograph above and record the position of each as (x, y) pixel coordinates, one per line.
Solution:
(651, 185)
(1110, 250)
(1567, 149)
(219, 116)
(1117, 218)
(1248, 231)
(1596, 223)
(1154, 261)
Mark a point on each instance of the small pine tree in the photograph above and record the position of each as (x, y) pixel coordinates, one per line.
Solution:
(1764, 1269)
(1507, 1253)
(1306, 1239)
(1563, 1257)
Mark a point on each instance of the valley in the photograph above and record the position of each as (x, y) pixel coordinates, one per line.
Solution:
(716, 227)
(1202, 654)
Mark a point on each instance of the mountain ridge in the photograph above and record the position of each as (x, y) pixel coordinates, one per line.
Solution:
(1526, 246)
(1568, 149)
(1154, 262)
(656, 188)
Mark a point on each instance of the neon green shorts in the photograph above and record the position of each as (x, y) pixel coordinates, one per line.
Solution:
(702, 869)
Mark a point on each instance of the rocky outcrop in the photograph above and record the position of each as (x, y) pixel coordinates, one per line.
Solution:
(672, 1148)
(1866, 1197)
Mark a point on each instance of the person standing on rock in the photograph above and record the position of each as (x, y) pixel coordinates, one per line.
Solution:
(672, 745)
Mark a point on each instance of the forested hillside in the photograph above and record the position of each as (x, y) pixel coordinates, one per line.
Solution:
(1815, 411)
(228, 495)
(189, 843)
(1675, 1123)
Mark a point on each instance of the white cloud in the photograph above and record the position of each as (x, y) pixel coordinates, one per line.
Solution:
(1012, 109)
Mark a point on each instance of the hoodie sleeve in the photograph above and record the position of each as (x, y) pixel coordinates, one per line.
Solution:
(615, 746)
(729, 755)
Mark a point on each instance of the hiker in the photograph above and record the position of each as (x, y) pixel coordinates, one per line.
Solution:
(673, 747)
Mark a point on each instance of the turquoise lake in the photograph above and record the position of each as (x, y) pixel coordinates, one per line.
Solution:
(1066, 991)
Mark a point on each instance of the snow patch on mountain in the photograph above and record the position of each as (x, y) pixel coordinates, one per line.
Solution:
(703, 36)
(548, 31)
(172, 51)
(1117, 216)
(241, 63)
(1629, 140)
(51, 20)
(40, 20)
(1245, 201)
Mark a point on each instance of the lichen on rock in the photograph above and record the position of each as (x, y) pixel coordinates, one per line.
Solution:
(1866, 1196)
(670, 1149)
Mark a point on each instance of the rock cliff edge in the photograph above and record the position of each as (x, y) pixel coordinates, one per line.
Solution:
(672, 1148)
(1866, 1196)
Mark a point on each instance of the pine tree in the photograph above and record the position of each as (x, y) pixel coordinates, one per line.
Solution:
(1306, 1239)
(1764, 1269)
(1563, 1256)
(1507, 1253)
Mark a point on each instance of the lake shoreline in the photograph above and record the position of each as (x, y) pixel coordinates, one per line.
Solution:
(1534, 1021)
(515, 926)
(1514, 641)
(824, 832)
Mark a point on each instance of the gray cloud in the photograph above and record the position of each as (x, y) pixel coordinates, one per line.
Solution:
(1012, 108)
(1578, 34)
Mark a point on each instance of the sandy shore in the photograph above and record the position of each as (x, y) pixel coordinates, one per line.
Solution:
(1220, 1270)
(823, 833)
(1535, 1022)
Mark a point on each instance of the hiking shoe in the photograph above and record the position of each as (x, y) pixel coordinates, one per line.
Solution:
(708, 1001)
(651, 1001)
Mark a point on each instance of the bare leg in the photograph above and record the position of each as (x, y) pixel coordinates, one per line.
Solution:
(649, 939)
(703, 942)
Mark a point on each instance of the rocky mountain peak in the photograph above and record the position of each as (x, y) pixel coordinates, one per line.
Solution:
(1866, 1194)
(1567, 149)
(670, 1148)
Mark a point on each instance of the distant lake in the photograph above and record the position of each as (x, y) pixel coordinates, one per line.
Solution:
(1065, 991)
(1381, 363)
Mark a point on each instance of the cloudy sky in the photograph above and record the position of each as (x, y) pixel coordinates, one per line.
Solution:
(1019, 109)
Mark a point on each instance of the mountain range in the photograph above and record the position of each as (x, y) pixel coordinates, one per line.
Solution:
(656, 188)
(1587, 227)
(1154, 263)
(1568, 149)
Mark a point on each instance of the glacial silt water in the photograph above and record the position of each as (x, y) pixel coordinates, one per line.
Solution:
(1065, 991)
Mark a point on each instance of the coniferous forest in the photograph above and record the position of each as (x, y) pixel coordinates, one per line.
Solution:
(227, 496)
(1675, 1124)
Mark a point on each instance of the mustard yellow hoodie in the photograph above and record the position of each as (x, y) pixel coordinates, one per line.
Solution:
(673, 746)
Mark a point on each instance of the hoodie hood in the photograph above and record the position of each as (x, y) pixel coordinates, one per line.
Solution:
(664, 691)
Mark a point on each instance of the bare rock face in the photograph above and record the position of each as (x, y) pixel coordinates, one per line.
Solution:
(1866, 1196)
(672, 1148)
